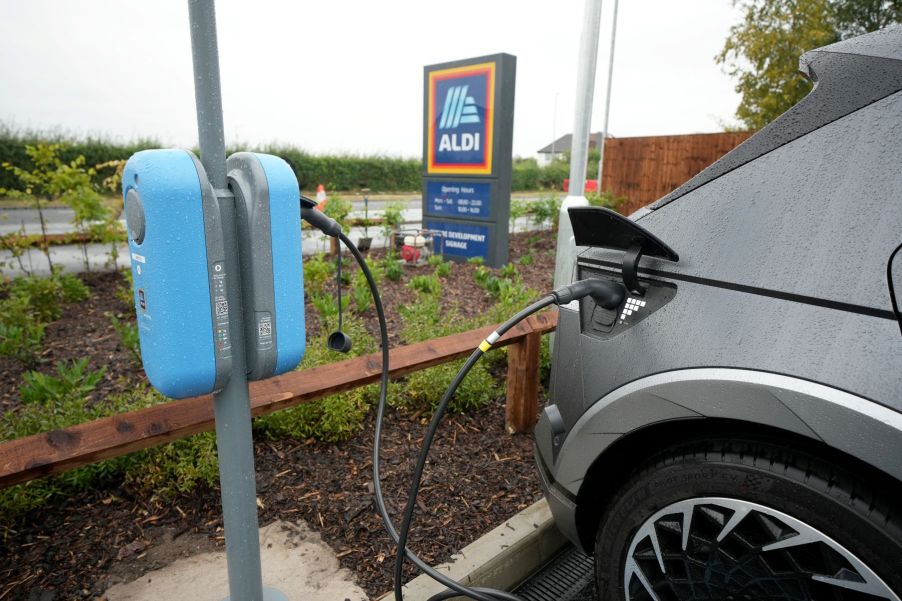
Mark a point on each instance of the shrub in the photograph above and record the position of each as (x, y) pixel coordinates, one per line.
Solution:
(423, 319)
(333, 418)
(527, 259)
(424, 389)
(475, 261)
(44, 295)
(21, 334)
(177, 466)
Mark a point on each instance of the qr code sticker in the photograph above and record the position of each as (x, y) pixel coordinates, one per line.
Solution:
(264, 328)
(222, 308)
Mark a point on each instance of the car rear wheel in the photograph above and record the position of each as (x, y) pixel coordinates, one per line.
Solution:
(737, 519)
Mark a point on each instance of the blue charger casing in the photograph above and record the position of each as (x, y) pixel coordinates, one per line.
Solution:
(178, 268)
(268, 216)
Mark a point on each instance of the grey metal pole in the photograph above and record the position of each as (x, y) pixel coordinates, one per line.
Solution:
(234, 439)
(607, 100)
(585, 88)
(585, 85)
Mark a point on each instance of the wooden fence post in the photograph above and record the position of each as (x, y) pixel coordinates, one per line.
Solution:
(523, 384)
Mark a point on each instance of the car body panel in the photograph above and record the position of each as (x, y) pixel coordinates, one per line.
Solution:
(783, 316)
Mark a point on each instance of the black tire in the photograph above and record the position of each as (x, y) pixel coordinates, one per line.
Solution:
(819, 493)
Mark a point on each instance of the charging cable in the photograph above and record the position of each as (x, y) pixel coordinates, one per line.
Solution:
(606, 293)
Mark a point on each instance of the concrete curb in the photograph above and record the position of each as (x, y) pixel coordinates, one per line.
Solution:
(502, 559)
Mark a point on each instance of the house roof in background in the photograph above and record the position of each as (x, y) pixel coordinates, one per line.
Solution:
(564, 143)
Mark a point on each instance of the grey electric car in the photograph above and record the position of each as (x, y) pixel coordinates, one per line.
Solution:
(733, 430)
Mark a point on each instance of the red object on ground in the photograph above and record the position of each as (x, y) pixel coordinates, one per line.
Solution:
(409, 253)
(591, 185)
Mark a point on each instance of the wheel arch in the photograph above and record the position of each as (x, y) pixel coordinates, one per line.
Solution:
(670, 408)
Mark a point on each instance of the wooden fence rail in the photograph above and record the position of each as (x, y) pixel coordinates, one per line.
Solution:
(57, 451)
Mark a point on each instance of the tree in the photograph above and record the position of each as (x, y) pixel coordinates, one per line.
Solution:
(763, 51)
(53, 179)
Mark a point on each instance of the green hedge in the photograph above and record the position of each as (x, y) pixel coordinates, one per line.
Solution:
(335, 172)
(95, 150)
(350, 172)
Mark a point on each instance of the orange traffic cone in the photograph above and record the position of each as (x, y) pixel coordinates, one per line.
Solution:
(320, 197)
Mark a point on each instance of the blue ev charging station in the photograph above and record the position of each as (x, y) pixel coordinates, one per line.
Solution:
(215, 248)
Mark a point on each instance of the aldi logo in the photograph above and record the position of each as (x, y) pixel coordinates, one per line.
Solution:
(460, 119)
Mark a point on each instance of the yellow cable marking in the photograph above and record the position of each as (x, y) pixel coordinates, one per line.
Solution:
(485, 346)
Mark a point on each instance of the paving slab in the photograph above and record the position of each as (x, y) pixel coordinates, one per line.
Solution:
(295, 561)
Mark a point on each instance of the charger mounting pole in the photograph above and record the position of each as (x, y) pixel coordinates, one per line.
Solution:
(234, 439)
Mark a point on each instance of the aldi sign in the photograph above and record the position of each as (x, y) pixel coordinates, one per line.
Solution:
(468, 118)
(460, 119)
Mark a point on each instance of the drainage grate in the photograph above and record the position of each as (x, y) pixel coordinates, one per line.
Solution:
(567, 578)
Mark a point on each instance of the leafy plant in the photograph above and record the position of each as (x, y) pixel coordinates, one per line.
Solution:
(527, 259)
(44, 295)
(423, 319)
(73, 382)
(392, 218)
(608, 199)
(125, 293)
(482, 276)
(508, 270)
(360, 290)
(475, 261)
(339, 208)
(327, 305)
(393, 269)
(519, 208)
(17, 245)
(545, 211)
(21, 333)
(128, 335)
(443, 269)
(427, 284)
(318, 272)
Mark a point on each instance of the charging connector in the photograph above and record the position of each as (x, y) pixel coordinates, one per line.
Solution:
(605, 293)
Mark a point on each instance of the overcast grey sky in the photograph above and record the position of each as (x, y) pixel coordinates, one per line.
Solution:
(347, 75)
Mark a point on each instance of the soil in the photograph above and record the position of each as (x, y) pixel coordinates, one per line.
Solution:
(477, 476)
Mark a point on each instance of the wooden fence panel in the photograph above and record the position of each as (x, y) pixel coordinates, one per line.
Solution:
(60, 450)
(646, 168)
